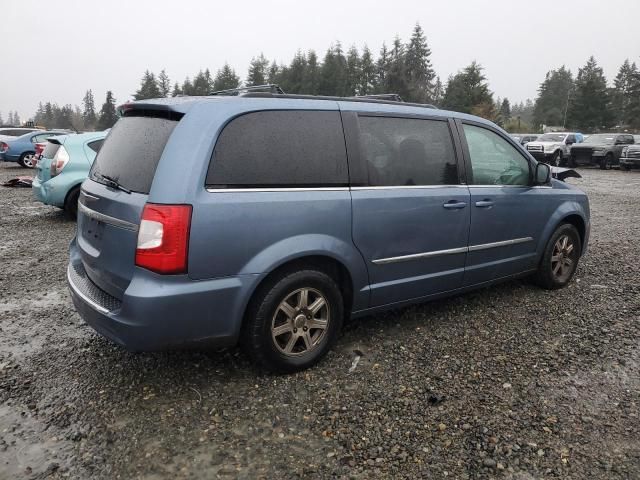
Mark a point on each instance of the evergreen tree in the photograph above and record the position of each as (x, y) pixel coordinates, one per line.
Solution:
(367, 84)
(164, 84)
(590, 109)
(176, 90)
(202, 83)
(226, 79)
(16, 118)
(633, 107)
(468, 92)
(437, 95)
(621, 93)
(312, 74)
(383, 66)
(273, 74)
(420, 73)
(187, 87)
(77, 120)
(397, 80)
(89, 110)
(354, 71)
(293, 81)
(505, 110)
(148, 87)
(257, 74)
(108, 115)
(333, 73)
(554, 95)
(10, 120)
(2, 120)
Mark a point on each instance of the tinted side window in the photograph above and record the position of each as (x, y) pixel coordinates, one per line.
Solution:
(95, 145)
(403, 151)
(494, 161)
(280, 148)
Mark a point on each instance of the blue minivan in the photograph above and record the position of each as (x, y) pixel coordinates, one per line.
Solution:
(269, 219)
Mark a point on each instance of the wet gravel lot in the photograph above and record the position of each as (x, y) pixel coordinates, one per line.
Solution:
(508, 382)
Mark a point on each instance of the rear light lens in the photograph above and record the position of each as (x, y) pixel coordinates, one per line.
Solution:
(4, 147)
(59, 161)
(163, 238)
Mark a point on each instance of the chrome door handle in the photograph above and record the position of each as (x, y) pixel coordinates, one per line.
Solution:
(484, 204)
(454, 204)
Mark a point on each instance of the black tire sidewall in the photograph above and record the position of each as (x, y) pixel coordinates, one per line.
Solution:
(71, 203)
(258, 338)
(545, 276)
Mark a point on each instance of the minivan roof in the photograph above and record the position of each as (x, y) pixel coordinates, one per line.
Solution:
(181, 105)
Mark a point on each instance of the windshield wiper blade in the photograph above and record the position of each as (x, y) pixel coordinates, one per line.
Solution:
(113, 183)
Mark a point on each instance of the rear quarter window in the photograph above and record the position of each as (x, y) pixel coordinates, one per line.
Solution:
(131, 152)
(50, 150)
(280, 149)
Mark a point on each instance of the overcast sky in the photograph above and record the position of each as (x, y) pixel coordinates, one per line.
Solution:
(55, 51)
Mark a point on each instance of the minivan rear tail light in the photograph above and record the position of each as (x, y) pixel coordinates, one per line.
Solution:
(163, 238)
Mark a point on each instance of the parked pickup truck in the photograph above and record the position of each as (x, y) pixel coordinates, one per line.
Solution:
(630, 156)
(603, 149)
(553, 148)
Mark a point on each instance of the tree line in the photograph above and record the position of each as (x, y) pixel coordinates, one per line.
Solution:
(585, 102)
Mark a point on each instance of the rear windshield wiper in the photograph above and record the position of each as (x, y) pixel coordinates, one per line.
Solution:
(112, 182)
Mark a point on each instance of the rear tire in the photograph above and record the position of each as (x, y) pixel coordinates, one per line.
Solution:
(607, 162)
(560, 259)
(286, 329)
(71, 204)
(572, 162)
(556, 159)
(27, 160)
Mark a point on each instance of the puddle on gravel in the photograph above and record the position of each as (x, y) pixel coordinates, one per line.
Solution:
(26, 449)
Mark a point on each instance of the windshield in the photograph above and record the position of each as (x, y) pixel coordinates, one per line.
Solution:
(606, 139)
(552, 137)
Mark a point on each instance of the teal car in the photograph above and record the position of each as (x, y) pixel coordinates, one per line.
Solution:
(63, 166)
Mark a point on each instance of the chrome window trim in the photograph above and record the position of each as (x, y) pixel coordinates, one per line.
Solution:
(75, 289)
(451, 251)
(278, 189)
(407, 187)
(101, 217)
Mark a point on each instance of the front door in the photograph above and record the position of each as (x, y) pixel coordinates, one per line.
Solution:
(411, 219)
(507, 213)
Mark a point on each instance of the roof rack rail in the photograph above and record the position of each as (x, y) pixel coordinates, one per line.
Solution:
(360, 99)
(392, 97)
(266, 88)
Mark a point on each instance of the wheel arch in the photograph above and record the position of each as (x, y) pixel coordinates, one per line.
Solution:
(567, 213)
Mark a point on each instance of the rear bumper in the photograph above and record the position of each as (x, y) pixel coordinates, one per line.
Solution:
(158, 312)
(49, 192)
(5, 157)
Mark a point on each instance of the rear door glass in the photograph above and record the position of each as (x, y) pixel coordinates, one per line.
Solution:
(404, 151)
(131, 152)
(280, 149)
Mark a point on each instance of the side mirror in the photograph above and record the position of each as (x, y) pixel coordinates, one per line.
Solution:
(542, 174)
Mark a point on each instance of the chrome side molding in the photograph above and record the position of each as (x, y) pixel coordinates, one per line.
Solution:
(451, 251)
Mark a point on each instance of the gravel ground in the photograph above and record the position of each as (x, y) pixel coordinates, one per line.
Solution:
(509, 382)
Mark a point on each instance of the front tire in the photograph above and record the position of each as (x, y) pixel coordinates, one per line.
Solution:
(560, 259)
(556, 159)
(293, 320)
(607, 162)
(27, 160)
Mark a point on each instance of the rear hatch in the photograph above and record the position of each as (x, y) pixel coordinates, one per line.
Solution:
(43, 166)
(114, 195)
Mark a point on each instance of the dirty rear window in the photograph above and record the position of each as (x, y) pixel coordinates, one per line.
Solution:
(131, 152)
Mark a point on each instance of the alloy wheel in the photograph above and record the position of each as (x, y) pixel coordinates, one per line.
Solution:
(300, 322)
(28, 159)
(563, 258)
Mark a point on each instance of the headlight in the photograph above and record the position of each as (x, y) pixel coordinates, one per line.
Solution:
(624, 151)
(598, 149)
(551, 147)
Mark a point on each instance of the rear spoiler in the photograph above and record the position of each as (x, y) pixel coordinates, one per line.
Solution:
(148, 109)
(564, 173)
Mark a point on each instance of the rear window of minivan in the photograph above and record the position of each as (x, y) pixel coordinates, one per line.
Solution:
(131, 152)
(290, 148)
